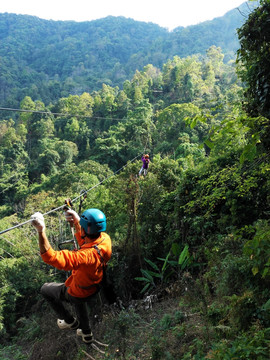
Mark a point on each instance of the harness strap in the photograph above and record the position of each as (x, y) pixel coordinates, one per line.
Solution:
(88, 287)
(103, 267)
(99, 253)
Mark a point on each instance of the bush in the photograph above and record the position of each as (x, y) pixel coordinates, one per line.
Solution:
(254, 345)
(12, 352)
(258, 249)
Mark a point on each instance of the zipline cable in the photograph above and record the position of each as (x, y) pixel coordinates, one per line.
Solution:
(75, 199)
(62, 114)
(11, 243)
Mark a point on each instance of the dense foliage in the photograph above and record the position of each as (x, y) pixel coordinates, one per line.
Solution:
(253, 56)
(47, 59)
(196, 226)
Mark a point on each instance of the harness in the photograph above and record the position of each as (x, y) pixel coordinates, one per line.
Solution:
(99, 253)
(103, 263)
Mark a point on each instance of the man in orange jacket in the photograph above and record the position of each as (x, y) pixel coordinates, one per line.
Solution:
(86, 265)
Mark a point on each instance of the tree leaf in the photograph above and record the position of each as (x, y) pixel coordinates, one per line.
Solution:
(255, 270)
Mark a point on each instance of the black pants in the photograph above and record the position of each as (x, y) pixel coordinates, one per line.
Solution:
(56, 294)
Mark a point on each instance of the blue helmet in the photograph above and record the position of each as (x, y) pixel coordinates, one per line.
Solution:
(93, 221)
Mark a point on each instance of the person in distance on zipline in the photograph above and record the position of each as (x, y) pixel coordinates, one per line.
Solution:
(145, 165)
(87, 265)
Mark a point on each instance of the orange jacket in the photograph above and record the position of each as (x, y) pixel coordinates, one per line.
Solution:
(85, 263)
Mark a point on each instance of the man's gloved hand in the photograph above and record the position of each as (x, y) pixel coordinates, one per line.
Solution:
(38, 221)
(72, 217)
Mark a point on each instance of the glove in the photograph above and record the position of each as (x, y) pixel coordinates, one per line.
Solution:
(72, 217)
(38, 221)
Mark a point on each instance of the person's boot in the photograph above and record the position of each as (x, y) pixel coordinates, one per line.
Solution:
(87, 338)
(62, 324)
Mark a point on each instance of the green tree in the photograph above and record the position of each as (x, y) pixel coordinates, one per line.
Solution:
(14, 163)
(253, 60)
(183, 79)
(171, 123)
(136, 130)
(253, 68)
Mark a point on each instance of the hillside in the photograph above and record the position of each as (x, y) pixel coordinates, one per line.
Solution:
(48, 59)
(190, 269)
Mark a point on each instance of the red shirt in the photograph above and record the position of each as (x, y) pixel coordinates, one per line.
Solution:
(86, 264)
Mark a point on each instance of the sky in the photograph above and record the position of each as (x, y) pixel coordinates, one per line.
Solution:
(166, 13)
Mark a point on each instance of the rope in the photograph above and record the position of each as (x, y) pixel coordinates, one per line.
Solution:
(75, 199)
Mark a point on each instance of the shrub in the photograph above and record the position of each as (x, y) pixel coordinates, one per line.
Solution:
(258, 250)
(254, 345)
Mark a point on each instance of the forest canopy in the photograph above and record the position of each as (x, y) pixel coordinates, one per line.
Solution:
(48, 60)
(194, 232)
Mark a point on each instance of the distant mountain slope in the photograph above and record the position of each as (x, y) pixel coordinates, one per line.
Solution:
(48, 59)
